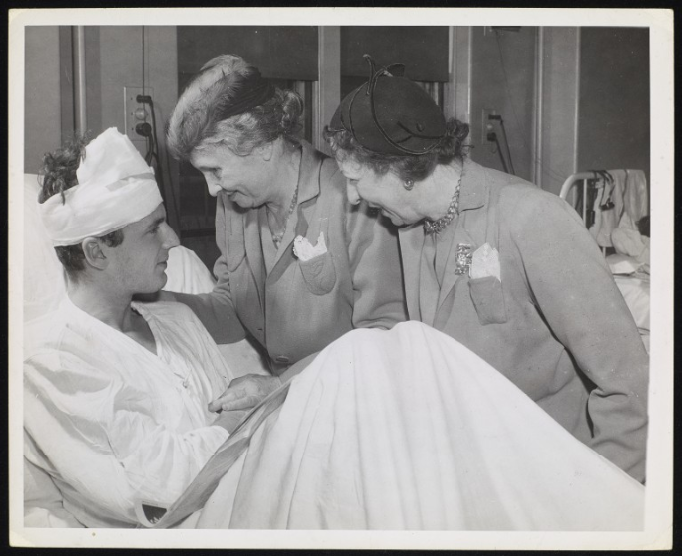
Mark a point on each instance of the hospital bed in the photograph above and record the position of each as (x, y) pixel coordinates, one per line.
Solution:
(612, 203)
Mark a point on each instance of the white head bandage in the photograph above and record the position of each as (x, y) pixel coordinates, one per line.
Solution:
(115, 188)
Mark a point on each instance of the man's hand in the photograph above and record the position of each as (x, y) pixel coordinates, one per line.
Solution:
(245, 392)
(229, 420)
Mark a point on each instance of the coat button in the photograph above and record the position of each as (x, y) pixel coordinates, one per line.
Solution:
(282, 360)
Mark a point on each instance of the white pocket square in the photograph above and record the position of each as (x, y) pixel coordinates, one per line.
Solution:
(485, 261)
(305, 251)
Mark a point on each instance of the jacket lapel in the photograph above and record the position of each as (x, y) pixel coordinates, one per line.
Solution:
(450, 276)
(308, 191)
(474, 194)
(411, 244)
(254, 255)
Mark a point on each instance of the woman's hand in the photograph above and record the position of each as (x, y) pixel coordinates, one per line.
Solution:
(245, 392)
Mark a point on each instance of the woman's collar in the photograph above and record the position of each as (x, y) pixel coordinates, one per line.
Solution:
(474, 189)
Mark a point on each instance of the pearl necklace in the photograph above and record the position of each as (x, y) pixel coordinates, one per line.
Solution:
(277, 237)
(439, 225)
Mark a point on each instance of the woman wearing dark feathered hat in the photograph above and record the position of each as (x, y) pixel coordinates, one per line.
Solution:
(507, 269)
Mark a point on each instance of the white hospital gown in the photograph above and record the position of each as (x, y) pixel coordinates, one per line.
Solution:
(111, 422)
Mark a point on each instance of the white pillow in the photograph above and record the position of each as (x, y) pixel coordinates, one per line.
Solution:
(187, 273)
(622, 264)
(44, 282)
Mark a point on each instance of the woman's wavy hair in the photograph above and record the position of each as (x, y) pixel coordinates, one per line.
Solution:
(406, 167)
(195, 122)
(58, 173)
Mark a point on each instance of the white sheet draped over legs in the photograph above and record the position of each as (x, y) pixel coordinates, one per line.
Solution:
(408, 429)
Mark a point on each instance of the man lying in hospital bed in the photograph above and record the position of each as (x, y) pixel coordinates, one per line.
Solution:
(116, 393)
(404, 429)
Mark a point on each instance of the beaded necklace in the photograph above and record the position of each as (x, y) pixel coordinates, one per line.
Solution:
(277, 237)
(439, 225)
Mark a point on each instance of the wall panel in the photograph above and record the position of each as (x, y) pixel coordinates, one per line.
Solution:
(42, 108)
(614, 125)
(502, 79)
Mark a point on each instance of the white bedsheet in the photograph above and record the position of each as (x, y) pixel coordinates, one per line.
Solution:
(636, 292)
(407, 429)
(632, 278)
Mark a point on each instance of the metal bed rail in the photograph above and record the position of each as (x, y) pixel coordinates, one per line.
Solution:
(583, 196)
(571, 185)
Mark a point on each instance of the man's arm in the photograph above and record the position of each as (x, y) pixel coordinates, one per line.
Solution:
(103, 439)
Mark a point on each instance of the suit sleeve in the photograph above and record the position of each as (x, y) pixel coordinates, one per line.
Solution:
(572, 287)
(374, 253)
(216, 310)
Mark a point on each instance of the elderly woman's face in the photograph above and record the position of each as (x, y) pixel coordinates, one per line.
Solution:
(245, 179)
(382, 192)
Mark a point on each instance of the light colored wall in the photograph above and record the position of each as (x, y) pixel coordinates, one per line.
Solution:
(502, 79)
(606, 126)
(113, 61)
(557, 127)
(118, 63)
(458, 88)
(42, 109)
(573, 99)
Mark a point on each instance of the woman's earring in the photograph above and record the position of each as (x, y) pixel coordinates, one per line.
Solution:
(409, 184)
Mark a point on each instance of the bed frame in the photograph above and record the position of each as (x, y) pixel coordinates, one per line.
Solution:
(581, 189)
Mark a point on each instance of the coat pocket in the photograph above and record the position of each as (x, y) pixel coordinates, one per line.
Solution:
(319, 273)
(488, 298)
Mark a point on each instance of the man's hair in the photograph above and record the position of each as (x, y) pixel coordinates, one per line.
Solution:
(58, 174)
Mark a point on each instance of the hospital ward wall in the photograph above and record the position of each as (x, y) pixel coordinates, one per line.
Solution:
(614, 125)
(572, 99)
(593, 111)
(42, 103)
(115, 57)
(502, 79)
(557, 79)
(133, 57)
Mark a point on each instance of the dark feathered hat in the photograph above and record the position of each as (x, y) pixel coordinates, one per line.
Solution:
(391, 114)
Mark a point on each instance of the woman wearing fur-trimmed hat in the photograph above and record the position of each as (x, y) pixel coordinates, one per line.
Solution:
(299, 266)
(503, 267)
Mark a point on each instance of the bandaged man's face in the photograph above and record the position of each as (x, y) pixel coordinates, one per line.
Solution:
(139, 263)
